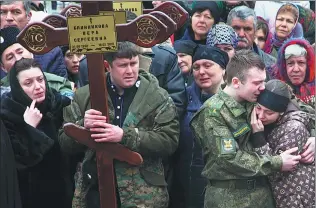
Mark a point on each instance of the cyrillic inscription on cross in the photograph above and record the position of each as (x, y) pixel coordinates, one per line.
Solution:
(145, 31)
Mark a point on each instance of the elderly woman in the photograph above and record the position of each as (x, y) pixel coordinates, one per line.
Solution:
(32, 114)
(296, 66)
(285, 127)
(223, 37)
(286, 26)
(185, 50)
(208, 67)
(204, 15)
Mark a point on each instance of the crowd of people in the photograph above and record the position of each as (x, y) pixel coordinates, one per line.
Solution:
(222, 112)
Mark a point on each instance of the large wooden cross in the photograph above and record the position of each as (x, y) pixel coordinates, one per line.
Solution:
(145, 31)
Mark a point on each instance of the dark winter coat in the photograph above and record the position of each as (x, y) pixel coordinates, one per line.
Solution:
(52, 62)
(9, 189)
(188, 190)
(165, 68)
(37, 152)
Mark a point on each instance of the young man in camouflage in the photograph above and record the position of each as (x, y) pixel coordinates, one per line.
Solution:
(143, 118)
(237, 175)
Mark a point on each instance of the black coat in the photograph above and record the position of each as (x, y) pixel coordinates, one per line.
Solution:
(36, 150)
(9, 188)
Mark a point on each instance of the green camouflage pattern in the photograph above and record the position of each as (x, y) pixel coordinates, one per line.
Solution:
(222, 128)
(151, 128)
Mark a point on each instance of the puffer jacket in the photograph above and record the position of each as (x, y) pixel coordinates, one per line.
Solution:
(53, 62)
(296, 188)
(151, 128)
(165, 68)
(305, 91)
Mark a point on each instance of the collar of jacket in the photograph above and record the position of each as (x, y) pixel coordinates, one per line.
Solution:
(149, 96)
(235, 107)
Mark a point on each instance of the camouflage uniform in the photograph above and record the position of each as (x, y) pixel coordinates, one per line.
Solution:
(237, 175)
(151, 128)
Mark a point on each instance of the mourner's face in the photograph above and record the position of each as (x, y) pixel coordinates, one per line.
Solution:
(14, 15)
(72, 62)
(124, 72)
(12, 54)
(251, 87)
(266, 115)
(260, 39)
(201, 23)
(284, 25)
(296, 69)
(229, 49)
(33, 83)
(185, 62)
(245, 31)
(207, 74)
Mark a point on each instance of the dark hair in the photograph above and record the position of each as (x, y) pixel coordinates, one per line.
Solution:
(25, 64)
(261, 24)
(124, 50)
(241, 62)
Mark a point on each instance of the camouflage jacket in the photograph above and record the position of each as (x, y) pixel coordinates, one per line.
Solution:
(151, 128)
(222, 128)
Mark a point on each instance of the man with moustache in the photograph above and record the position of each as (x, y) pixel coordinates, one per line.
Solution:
(244, 21)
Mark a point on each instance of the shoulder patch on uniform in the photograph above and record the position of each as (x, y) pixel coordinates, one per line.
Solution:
(244, 128)
(228, 146)
(215, 107)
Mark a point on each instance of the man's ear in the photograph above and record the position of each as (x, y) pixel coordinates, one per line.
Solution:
(106, 66)
(235, 82)
(2, 68)
(29, 16)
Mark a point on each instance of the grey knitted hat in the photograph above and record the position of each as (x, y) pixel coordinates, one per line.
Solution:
(222, 34)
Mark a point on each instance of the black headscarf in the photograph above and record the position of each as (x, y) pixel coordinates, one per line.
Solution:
(22, 98)
(211, 53)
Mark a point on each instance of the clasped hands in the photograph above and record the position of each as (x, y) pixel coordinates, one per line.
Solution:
(101, 130)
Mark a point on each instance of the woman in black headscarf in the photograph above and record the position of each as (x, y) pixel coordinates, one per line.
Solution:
(32, 114)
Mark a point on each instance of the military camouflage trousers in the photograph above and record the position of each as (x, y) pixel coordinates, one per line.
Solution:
(238, 198)
(134, 191)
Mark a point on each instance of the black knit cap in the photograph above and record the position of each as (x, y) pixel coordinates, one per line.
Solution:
(201, 6)
(211, 53)
(7, 38)
(185, 46)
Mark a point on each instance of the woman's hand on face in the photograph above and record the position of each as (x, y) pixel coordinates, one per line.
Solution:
(32, 115)
(256, 123)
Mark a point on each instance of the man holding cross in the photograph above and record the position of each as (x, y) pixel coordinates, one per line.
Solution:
(143, 118)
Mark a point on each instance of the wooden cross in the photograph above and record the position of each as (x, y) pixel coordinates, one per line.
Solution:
(145, 31)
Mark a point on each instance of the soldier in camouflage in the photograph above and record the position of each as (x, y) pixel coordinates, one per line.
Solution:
(236, 174)
(143, 118)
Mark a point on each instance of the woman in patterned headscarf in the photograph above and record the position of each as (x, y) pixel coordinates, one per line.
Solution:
(286, 26)
(223, 37)
(278, 125)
